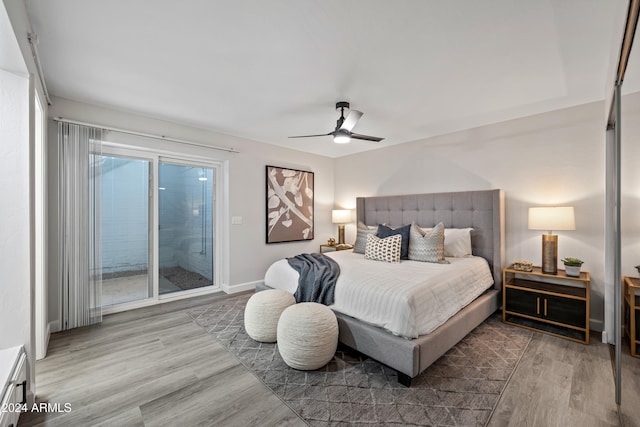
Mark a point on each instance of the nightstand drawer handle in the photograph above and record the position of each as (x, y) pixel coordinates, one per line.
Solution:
(545, 307)
(537, 305)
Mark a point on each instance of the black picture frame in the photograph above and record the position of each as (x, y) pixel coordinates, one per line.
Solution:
(289, 205)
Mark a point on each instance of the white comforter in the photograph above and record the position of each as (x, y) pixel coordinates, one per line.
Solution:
(409, 298)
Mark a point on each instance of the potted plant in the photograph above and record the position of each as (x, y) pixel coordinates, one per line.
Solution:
(572, 266)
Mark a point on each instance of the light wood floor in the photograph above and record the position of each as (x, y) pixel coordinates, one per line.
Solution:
(151, 367)
(155, 367)
(563, 383)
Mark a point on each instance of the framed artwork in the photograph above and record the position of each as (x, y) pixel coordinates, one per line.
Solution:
(289, 205)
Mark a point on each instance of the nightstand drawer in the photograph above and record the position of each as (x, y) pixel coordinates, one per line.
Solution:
(546, 307)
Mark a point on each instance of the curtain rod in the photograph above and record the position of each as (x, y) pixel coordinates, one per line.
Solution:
(146, 135)
(33, 41)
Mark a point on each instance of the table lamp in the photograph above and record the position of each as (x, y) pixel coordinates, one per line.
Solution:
(551, 218)
(340, 217)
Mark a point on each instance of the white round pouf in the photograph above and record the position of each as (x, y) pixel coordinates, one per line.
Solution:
(307, 335)
(263, 311)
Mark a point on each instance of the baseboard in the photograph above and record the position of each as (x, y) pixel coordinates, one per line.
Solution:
(596, 325)
(46, 344)
(52, 327)
(241, 287)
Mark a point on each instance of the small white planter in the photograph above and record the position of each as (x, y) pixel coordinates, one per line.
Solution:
(572, 271)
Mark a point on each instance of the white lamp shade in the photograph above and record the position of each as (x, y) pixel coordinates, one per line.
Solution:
(340, 216)
(552, 218)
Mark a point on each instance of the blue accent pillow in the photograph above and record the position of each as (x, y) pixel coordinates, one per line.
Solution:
(384, 231)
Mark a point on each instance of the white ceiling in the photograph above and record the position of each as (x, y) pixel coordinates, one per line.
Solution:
(265, 70)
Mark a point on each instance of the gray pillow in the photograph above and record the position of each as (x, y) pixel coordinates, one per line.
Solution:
(361, 237)
(427, 246)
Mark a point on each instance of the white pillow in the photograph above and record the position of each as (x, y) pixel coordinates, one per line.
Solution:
(387, 249)
(457, 241)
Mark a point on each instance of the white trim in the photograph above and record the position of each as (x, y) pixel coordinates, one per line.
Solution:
(53, 327)
(154, 230)
(48, 336)
(38, 175)
(604, 337)
(115, 147)
(241, 287)
(164, 298)
(146, 135)
(596, 325)
(194, 291)
(225, 245)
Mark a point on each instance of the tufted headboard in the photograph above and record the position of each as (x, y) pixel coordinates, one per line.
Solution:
(481, 210)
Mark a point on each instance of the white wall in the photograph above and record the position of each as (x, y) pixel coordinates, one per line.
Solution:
(249, 256)
(15, 264)
(17, 221)
(548, 159)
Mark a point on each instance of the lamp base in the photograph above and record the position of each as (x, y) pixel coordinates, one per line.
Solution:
(341, 234)
(550, 253)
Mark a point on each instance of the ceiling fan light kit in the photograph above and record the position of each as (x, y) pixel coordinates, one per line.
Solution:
(342, 137)
(342, 133)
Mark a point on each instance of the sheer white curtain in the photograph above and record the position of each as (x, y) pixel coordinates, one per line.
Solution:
(79, 209)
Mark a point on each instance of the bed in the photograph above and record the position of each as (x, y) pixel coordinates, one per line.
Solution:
(483, 211)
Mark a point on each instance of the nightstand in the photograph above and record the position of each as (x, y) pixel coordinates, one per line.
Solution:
(335, 247)
(555, 304)
(632, 312)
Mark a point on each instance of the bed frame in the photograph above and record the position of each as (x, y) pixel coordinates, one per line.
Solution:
(481, 210)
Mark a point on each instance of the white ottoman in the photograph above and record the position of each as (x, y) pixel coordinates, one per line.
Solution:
(307, 335)
(263, 311)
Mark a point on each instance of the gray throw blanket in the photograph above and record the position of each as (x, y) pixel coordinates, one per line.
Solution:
(318, 277)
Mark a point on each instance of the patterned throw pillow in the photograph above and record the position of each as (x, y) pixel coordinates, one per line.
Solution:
(361, 238)
(384, 231)
(427, 246)
(457, 241)
(387, 249)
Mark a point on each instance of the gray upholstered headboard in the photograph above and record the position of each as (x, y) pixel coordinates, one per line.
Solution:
(481, 210)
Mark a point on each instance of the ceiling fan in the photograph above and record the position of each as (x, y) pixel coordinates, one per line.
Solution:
(342, 133)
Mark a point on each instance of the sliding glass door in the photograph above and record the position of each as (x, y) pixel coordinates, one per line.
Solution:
(185, 226)
(159, 220)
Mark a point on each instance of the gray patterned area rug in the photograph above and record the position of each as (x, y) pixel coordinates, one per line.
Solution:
(459, 389)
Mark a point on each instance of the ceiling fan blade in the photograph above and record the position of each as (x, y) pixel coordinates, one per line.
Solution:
(365, 137)
(351, 120)
(311, 136)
